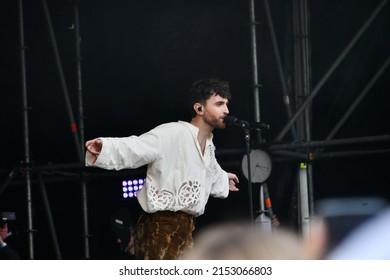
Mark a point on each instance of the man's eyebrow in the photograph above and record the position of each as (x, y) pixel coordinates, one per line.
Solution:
(222, 102)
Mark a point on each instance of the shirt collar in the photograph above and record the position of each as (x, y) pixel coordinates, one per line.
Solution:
(195, 130)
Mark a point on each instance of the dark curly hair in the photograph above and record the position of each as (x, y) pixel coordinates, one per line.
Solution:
(203, 89)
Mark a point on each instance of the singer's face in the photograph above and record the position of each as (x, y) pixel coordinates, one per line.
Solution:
(215, 110)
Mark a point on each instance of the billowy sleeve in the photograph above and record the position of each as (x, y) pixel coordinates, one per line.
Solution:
(126, 152)
(220, 185)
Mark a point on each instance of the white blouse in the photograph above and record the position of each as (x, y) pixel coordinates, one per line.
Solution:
(179, 177)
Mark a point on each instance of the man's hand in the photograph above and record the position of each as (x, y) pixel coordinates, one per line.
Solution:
(233, 180)
(275, 221)
(94, 146)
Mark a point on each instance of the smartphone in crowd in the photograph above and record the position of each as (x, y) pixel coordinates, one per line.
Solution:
(343, 215)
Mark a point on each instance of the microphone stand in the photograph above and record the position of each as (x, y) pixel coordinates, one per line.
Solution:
(247, 126)
(247, 129)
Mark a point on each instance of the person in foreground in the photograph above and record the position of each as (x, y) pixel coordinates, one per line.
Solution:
(6, 252)
(123, 228)
(241, 240)
(182, 171)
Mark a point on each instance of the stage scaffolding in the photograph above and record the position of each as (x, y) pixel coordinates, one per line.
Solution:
(298, 123)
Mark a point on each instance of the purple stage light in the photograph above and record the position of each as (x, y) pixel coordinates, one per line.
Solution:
(130, 187)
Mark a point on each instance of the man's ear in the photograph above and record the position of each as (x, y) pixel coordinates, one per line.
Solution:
(198, 107)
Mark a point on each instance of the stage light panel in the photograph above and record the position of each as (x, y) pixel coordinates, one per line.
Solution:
(130, 187)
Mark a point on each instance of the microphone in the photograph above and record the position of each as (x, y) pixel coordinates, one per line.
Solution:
(234, 121)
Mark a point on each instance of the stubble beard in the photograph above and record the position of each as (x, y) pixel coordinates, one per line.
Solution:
(216, 123)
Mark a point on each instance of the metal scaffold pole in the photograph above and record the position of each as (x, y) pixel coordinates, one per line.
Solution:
(256, 99)
(61, 75)
(84, 193)
(30, 230)
(279, 64)
(302, 74)
(331, 70)
(255, 72)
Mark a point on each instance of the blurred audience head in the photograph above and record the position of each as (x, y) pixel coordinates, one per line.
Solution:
(243, 241)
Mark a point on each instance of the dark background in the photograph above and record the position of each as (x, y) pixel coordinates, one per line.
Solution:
(138, 60)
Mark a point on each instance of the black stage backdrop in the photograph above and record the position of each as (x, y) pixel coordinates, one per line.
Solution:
(138, 60)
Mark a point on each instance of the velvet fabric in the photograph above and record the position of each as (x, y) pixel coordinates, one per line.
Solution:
(163, 235)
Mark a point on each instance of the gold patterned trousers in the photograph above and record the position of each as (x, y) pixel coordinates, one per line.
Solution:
(163, 235)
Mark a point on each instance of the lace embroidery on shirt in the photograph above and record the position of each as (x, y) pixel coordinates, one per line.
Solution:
(188, 195)
(161, 199)
(213, 163)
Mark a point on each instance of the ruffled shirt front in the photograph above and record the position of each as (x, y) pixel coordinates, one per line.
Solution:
(179, 177)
